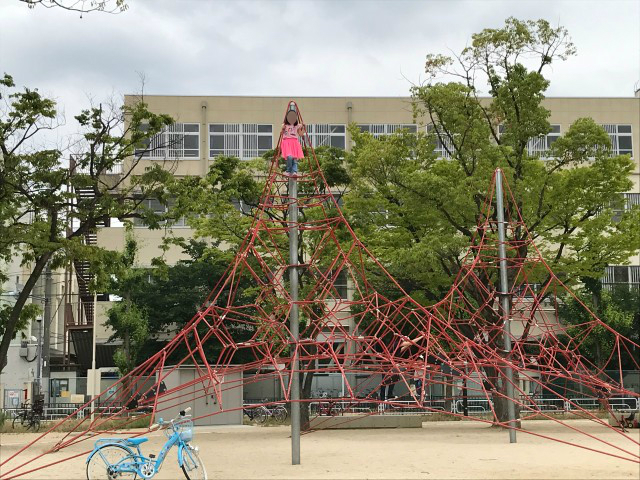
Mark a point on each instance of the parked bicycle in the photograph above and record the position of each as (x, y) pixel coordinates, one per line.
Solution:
(256, 414)
(278, 412)
(328, 407)
(30, 415)
(115, 458)
(262, 413)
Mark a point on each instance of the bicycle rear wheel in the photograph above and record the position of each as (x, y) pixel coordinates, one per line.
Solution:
(34, 423)
(102, 462)
(280, 414)
(192, 466)
(18, 419)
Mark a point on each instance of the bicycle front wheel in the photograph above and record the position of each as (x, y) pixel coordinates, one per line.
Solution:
(192, 466)
(261, 415)
(103, 464)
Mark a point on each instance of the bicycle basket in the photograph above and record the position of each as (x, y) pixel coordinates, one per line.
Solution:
(185, 429)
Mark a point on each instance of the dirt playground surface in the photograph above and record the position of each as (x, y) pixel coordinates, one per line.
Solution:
(439, 450)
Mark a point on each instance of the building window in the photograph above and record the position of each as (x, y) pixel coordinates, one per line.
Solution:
(178, 141)
(326, 361)
(617, 275)
(620, 135)
(241, 206)
(629, 200)
(380, 129)
(338, 198)
(322, 135)
(242, 140)
(340, 283)
(159, 209)
(540, 146)
(443, 146)
(59, 387)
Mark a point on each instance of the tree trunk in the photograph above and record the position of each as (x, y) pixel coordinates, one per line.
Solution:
(448, 393)
(14, 317)
(498, 392)
(126, 347)
(305, 393)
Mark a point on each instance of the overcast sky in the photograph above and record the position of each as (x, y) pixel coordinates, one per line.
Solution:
(295, 48)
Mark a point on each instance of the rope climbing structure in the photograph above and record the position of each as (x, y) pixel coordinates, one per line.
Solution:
(372, 339)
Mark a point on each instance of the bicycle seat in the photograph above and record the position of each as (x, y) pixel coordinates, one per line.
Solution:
(136, 441)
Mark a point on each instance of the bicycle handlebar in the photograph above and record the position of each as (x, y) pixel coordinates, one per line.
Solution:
(162, 423)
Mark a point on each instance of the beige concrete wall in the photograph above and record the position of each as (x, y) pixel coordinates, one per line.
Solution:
(103, 333)
(213, 407)
(149, 242)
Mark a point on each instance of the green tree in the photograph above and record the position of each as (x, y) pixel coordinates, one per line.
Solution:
(617, 308)
(129, 321)
(132, 325)
(170, 295)
(418, 212)
(48, 203)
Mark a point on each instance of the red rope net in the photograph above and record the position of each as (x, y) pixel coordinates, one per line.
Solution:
(376, 343)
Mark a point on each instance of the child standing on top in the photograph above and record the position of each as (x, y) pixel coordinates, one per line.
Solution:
(290, 148)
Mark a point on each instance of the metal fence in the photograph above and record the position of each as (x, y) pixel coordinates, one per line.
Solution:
(474, 405)
(58, 411)
(321, 406)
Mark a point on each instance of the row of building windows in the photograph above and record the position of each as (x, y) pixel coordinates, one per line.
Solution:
(620, 136)
(242, 140)
(251, 140)
(246, 140)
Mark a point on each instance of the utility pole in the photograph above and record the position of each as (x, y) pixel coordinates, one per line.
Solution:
(504, 299)
(293, 320)
(46, 342)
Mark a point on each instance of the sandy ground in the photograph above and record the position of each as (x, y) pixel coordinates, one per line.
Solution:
(440, 450)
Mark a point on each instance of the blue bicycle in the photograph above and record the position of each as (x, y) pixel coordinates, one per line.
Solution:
(115, 458)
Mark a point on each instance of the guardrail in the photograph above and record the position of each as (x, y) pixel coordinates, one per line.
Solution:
(625, 403)
(547, 405)
(475, 406)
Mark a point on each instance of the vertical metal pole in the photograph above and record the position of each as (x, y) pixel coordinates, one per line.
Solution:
(40, 320)
(465, 392)
(504, 291)
(39, 364)
(93, 356)
(46, 341)
(293, 320)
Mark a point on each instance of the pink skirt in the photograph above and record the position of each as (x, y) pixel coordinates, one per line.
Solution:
(291, 147)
